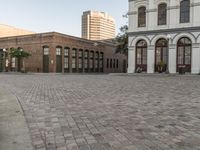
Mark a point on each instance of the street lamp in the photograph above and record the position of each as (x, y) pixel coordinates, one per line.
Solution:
(168, 36)
(95, 44)
(4, 60)
(22, 68)
(168, 39)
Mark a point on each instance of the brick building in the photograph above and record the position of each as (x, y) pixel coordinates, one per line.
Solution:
(6, 30)
(56, 52)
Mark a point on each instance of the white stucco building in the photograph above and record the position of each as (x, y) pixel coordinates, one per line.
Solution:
(164, 32)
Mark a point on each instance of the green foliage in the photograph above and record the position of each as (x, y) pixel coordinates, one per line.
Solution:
(19, 53)
(121, 41)
(161, 64)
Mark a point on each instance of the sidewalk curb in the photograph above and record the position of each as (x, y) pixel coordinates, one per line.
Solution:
(14, 133)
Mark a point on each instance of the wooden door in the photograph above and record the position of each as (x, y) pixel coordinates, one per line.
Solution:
(46, 60)
(58, 59)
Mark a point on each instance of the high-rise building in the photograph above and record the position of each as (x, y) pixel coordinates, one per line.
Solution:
(97, 26)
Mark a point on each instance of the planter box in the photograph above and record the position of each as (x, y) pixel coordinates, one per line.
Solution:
(181, 69)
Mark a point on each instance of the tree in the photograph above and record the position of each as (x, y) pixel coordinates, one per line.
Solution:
(20, 54)
(121, 41)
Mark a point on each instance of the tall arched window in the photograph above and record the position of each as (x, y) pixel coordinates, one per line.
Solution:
(184, 52)
(91, 61)
(80, 60)
(141, 55)
(86, 61)
(162, 14)
(74, 60)
(142, 16)
(101, 65)
(184, 11)
(66, 59)
(58, 59)
(161, 59)
(97, 62)
(46, 59)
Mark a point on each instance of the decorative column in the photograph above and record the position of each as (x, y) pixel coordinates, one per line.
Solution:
(151, 15)
(4, 60)
(150, 59)
(131, 59)
(172, 58)
(195, 59)
(173, 14)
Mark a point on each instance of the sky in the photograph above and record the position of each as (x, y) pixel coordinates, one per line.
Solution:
(58, 15)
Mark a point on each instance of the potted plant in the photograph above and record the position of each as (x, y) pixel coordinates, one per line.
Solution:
(181, 69)
(161, 66)
(139, 70)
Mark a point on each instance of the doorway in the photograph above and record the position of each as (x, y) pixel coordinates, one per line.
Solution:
(45, 59)
(161, 58)
(58, 59)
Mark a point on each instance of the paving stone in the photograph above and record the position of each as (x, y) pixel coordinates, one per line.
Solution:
(90, 112)
(84, 147)
(61, 148)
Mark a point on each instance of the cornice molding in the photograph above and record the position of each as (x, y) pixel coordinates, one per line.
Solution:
(151, 10)
(195, 4)
(132, 13)
(173, 7)
(175, 30)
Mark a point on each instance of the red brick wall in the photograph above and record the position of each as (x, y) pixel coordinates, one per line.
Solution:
(34, 44)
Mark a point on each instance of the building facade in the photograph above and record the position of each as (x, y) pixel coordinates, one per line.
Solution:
(97, 26)
(164, 32)
(6, 30)
(59, 53)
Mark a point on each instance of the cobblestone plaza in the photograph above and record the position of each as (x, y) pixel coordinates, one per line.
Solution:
(109, 112)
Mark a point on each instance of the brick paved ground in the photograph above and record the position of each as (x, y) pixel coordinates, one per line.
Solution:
(102, 112)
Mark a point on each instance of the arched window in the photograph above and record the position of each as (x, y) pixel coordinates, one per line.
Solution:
(74, 60)
(86, 60)
(184, 52)
(66, 59)
(161, 59)
(58, 59)
(80, 60)
(162, 14)
(45, 59)
(101, 65)
(141, 55)
(184, 11)
(97, 62)
(13, 60)
(142, 16)
(91, 61)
